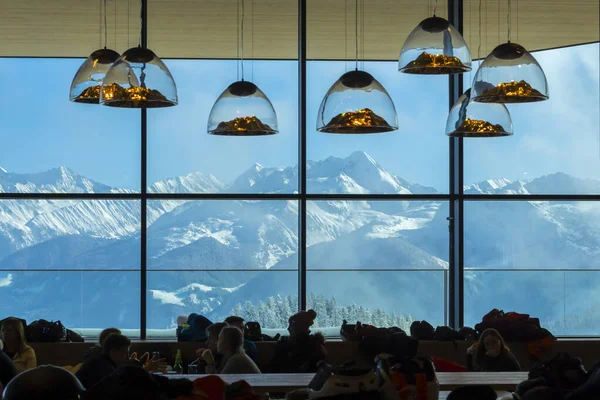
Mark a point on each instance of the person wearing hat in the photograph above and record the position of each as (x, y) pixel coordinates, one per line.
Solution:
(43, 383)
(300, 351)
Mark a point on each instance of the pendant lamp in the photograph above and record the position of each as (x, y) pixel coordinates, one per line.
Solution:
(242, 109)
(357, 103)
(87, 82)
(139, 79)
(478, 120)
(434, 47)
(469, 119)
(510, 74)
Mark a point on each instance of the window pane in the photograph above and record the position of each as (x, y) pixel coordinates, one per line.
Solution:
(564, 301)
(222, 235)
(86, 302)
(367, 235)
(555, 149)
(62, 146)
(268, 297)
(378, 298)
(532, 235)
(391, 261)
(413, 159)
(69, 234)
(218, 257)
(183, 158)
(534, 257)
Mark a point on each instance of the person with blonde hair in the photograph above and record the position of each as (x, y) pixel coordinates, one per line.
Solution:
(12, 334)
(231, 345)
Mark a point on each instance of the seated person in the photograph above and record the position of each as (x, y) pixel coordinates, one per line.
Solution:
(249, 346)
(12, 334)
(96, 350)
(300, 351)
(491, 354)
(235, 361)
(7, 368)
(115, 353)
(43, 383)
(130, 382)
(212, 337)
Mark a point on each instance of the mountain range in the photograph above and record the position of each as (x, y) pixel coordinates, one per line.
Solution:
(210, 255)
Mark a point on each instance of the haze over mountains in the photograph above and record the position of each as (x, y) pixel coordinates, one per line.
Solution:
(208, 256)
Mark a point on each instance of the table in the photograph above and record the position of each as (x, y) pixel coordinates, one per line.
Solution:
(283, 383)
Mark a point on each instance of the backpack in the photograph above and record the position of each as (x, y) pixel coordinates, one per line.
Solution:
(512, 326)
(252, 331)
(406, 377)
(74, 337)
(563, 372)
(348, 382)
(445, 333)
(422, 330)
(42, 331)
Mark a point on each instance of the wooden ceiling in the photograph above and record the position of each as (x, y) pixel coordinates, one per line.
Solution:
(209, 28)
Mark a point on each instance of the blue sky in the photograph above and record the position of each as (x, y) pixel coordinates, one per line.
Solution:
(41, 129)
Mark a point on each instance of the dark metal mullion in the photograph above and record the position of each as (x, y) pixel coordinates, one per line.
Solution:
(309, 197)
(143, 189)
(456, 221)
(302, 154)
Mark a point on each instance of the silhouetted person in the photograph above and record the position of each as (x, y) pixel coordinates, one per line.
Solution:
(115, 353)
(96, 350)
(300, 352)
(12, 334)
(235, 361)
(491, 354)
(249, 346)
(45, 382)
(7, 368)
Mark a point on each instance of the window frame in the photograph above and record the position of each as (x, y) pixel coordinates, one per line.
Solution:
(456, 198)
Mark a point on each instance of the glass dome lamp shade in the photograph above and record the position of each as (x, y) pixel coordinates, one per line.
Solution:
(138, 79)
(242, 110)
(357, 104)
(470, 119)
(87, 82)
(434, 47)
(510, 74)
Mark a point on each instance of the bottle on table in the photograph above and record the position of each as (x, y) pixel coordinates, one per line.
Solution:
(178, 364)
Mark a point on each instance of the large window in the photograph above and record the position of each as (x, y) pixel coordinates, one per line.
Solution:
(357, 227)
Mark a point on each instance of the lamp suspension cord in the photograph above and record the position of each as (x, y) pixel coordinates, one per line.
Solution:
(242, 47)
(115, 24)
(141, 24)
(362, 29)
(479, 40)
(435, 7)
(100, 24)
(105, 25)
(508, 22)
(356, 33)
(237, 61)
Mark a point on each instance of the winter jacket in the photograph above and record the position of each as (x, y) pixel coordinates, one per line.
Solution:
(504, 362)
(237, 363)
(251, 350)
(95, 369)
(299, 354)
(25, 359)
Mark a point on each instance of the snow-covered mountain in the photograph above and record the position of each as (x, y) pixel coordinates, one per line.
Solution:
(208, 256)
